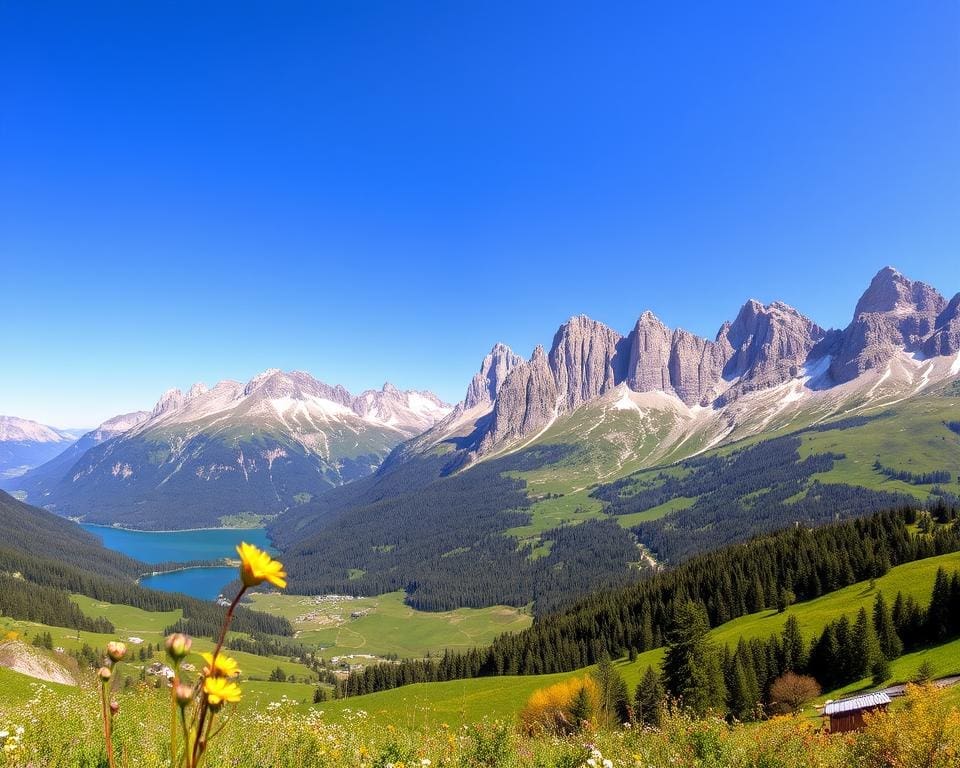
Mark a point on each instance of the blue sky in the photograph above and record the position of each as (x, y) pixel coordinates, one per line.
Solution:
(381, 190)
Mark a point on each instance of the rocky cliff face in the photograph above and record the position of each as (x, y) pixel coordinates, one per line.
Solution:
(493, 372)
(945, 339)
(677, 362)
(763, 347)
(769, 345)
(651, 351)
(893, 314)
(585, 361)
(527, 402)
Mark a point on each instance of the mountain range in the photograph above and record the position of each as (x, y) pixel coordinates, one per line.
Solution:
(763, 367)
(658, 439)
(25, 444)
(240, 449)
(597, 405)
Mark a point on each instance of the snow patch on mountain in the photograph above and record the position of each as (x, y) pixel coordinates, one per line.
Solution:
(13, 428)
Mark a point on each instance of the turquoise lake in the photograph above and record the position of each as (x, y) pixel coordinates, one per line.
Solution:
(205, 583)
(180, 546)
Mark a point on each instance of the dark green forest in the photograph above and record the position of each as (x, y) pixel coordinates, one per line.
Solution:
(766, 572)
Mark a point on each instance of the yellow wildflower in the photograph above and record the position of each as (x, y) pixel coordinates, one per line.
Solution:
(256, 567)
(224, 666)
(220, 690)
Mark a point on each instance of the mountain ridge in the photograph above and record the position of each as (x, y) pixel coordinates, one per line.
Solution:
(263, 444)
(764, 347)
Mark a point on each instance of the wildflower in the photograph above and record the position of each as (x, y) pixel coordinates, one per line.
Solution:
(425, 762)
(114, 707)
(222, 666)
(219, 690)
(183, 694)
(104, 673)
(608, 764)
(116, 651)
(178, 645)
(256, 567)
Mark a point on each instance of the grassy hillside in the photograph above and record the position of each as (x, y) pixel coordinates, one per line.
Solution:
(147, 625)
(387, 625)
(462, 701)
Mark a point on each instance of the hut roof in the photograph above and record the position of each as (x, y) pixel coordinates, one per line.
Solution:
(867, 701)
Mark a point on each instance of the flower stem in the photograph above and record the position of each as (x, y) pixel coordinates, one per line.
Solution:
(226, 622)
(173, 714)
(107, 716)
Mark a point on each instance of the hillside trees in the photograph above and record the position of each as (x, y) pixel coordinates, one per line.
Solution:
(808, 562)
(691, 666)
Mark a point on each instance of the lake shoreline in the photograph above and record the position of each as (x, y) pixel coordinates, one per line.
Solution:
(172, 530)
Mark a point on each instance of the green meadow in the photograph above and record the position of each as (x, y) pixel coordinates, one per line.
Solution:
(385, 625)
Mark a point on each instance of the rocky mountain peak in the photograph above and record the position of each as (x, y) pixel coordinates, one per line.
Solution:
(169, 401)
(259, 379)
(494, 370)
(117, 425)
(586, 359)
(769, 344)
(945, 339)
(13, 428)
(648, 364)
(197, 390)
(894, 313)
(889, 291)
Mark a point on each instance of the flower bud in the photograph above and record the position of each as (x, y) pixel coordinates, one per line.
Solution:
(104, 674)
(183, 694)
(178, 645)
(116, 651)
(114, 707)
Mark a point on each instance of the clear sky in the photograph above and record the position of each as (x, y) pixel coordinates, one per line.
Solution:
(381, 190)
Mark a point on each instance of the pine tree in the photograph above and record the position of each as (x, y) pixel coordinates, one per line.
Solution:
(865, 648)
(938, 615)
(794, 654)
(744, 693)
(691, 666)
(648, 699)
(581, 708)
(824, 661)
(880, 670)
(612, 690)
(890, 644)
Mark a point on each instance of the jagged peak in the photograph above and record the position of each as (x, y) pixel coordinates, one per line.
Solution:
(259, 379)
(169, 401)
(486, 383)
(648, 318)
(891, 291)
(197, 390)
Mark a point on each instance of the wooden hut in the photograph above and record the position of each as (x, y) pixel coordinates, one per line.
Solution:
(847, 714)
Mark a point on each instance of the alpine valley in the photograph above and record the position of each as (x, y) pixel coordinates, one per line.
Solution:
(777, 504)
(580, 467)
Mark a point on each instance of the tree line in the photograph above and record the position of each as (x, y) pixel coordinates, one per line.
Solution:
(769, 571)
(741, 682)
(759, 488)
(200, 617)
(443, 539)
(913, 478)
